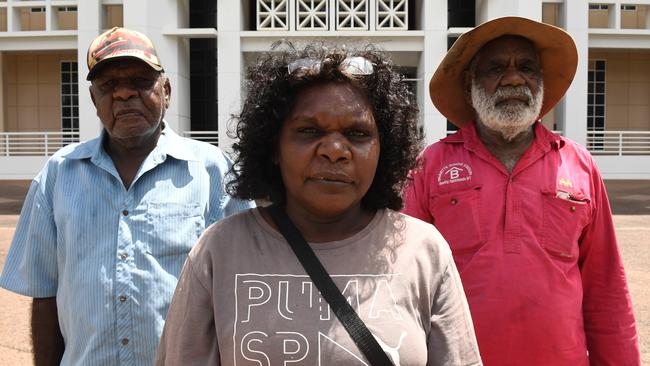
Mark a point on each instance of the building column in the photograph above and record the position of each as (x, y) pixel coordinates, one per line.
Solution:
(573, 110)
(434, 21)
(229, 67)
(152, 17)
(89, 23)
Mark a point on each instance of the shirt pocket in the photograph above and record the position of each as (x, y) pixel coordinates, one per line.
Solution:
(173, 228)
(564, 217)
(457, 217)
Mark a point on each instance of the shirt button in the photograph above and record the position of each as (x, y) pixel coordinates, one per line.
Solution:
(124, 256)
(122, 298)
(573, 208)
(125, 341)
(125, 212)
(454, 201)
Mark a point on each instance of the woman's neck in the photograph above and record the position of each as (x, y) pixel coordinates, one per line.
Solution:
(322, 229)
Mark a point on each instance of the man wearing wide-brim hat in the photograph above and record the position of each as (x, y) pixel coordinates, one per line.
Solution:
(108, 223)
(524, 211)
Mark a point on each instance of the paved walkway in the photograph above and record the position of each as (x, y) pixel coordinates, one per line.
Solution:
(630, 202)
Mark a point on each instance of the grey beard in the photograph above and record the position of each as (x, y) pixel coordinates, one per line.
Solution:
(511, 119)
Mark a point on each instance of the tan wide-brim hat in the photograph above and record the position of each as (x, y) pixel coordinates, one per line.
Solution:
(557, 52)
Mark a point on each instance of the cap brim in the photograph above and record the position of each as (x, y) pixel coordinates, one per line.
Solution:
(557, 52)
(98, 66)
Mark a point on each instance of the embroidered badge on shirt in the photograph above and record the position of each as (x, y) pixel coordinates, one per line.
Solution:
(565, 182)
(455, 172)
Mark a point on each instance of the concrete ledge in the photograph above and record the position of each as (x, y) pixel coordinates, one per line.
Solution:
(21, 167)
(624, 167)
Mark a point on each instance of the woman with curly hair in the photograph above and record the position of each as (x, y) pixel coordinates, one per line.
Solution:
(327, 135)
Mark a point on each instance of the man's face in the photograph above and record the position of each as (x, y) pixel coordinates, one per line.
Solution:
(131, 100)
(506, 85)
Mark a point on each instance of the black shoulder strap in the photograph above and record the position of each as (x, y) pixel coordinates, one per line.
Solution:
(344, 312)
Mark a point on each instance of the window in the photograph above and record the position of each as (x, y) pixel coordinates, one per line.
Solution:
(596, 102)
(112, 16)
(67, 9)
(37, 10)
(69, 99)
(628, 7)
(598, 7)
(552, 14)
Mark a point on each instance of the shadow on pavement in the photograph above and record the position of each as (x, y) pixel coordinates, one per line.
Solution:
(629, 197)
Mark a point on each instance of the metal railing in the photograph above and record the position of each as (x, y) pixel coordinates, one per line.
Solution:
(618, 142)
(46, 143)
(35, 143)
(211, 137)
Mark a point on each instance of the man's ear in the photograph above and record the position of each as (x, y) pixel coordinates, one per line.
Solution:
(92, 96)
(167, 87)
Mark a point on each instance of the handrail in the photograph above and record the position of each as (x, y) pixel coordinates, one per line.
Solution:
(618, 142)
(35, 143)
(46, 143)
(211, 137)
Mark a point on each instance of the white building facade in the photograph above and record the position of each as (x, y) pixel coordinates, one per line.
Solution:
(206, 45)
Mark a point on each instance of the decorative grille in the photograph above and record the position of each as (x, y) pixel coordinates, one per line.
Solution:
(272, 15)
(392, 14)
(352, 14)
(312, 14)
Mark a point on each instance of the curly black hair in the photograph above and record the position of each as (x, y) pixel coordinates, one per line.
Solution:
(272, 92)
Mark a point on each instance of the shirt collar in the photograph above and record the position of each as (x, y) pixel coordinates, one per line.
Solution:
(169, 143)
(544, 138)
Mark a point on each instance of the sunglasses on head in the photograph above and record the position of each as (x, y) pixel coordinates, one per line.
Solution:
(350, 66)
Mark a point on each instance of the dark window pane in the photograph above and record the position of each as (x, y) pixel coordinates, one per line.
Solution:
(75, 100)
(600, 110)
(65, 89)
(65, 66)
(66, 111)
(65, 77)
(590, 76)
(600, 76)
(590, 87)
(65, 100)
(600, 65)
(74, 77)
(600, 88)
(600, 99)
(590, 99)
(75, 111)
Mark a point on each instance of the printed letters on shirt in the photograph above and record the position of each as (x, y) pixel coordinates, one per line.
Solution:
(281, 300)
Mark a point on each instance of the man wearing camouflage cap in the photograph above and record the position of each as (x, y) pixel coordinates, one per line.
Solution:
(107, 224)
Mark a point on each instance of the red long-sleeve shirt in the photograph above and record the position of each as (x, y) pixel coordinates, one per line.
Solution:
(536, 250)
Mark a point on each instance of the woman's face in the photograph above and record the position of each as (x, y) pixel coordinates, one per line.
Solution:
(328, 150)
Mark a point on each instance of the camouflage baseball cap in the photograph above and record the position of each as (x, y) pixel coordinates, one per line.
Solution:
(121, 42)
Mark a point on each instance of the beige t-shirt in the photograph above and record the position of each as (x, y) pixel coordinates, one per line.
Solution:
(243, 298)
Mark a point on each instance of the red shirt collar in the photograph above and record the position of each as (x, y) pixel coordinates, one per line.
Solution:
(544, 138)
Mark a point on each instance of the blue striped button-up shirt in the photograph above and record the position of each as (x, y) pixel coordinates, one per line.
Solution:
(112, 256)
